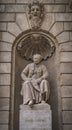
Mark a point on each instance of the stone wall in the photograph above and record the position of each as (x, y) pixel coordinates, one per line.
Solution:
(58, 21)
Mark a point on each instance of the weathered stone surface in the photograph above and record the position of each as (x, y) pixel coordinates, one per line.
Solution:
(67, 116)
(63, 37)
(67, 103)
(5, 56)
(4, 91)
(10, 17)
(57, 28)
(36, 118)
(7, 37)
(68, 26)
(14, 29)
(62, 1)
(68, 9)
(4, 104)
(7, 1)
(3, 26)
(65, 68)
(3, 127)
(15, 8)
(48, 21)
(2, 8)
(21, 20)
(54, 8)
(66, 79)
(4, 116)
(66, 47)
(28, 1)
(63, 16)
(5, 79)
(67, 127)
(66, 91)
(66, 56)
(5, 46)
(5, 67)
(70, 35)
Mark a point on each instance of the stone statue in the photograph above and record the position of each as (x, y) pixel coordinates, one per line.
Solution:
(36, 13)
(35, 86)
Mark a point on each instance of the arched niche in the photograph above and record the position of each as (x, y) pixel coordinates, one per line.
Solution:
(18, 64)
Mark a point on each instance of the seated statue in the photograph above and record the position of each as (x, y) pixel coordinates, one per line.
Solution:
(35, 86)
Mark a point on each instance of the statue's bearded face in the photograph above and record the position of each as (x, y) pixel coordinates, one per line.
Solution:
(37, 58)
(35, 11)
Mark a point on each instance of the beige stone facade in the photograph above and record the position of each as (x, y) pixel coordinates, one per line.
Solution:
(57, 21)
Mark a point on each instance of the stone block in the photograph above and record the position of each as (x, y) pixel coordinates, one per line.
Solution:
(68, 9)
(38, 117)
(67, 127)
(2, 8)
(67, 104)
(7, 37)
(70, 35)
(62, 1)
(5, 91)
(4, 104)
(63, 37)
(5, 56)
(65, 68)
(5, 79)
(67, 116)
(4, 117)
(66, 57)
(48, 21)
(15, 8)
(7, 1)
(7, 17)
(67, 26)
(21, 20)
(66, 91)
(66, 79)
(29, 1)
(3, 26)
(63, 17)
(57, 28)
(3, 127)
(5, 46)
(5, 67)
(14, 29)
(66, 47)
(54, 8)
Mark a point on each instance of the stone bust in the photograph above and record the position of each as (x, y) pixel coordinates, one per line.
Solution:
(35, 86)
(36, 13)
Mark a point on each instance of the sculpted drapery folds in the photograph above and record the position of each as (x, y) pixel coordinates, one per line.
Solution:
(35, 86)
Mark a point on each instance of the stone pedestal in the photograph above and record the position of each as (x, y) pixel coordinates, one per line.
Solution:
(38, 117)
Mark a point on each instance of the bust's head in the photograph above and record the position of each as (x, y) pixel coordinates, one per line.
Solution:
(36, 9)
(37, 58)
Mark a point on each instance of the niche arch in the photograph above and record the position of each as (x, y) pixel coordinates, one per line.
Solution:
(18, 63)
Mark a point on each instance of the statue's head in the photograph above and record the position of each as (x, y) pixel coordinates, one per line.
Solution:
(36, 9)
(37, 58)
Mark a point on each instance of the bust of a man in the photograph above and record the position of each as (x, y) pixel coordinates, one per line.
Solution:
(36, 13)
(35, 86)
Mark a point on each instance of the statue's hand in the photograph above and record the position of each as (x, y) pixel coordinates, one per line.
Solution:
(39, 80)
(27, 79)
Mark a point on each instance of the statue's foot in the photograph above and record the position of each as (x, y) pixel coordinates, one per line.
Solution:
(43, 101)
(31, 103)
(25, 103)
